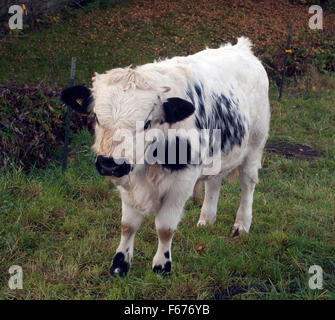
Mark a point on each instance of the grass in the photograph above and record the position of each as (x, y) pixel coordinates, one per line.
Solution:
(135, 32)
(63, 229)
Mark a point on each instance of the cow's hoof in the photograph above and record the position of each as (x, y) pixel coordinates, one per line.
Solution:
(201, 223)
(164, 271)
(120, 267)
(206, 222)
(237, 230)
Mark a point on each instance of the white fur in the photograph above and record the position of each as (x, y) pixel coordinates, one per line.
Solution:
(124, 96)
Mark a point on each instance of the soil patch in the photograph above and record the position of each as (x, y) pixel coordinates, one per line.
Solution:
(224, 294)
(290, 150)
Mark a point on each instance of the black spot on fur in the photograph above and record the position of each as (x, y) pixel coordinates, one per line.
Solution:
(232, 124)
(167, 255)
(78, 98)
(223, 115)
(189, 93)
(119, 263)
(201, 103)
(176, 109)
(177, 154)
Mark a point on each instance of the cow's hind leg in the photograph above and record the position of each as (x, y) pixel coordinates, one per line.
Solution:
(248, 171)
(197, 192)
(131, 221)
(209, 207)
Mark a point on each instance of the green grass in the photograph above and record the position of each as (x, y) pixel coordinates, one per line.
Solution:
(107, 34)
(63, 229)
(100, 41)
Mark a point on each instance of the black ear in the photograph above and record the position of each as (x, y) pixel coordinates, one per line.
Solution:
(176, 109)
(78, 98)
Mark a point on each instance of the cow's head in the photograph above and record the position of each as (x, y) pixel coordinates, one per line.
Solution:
(126, 106)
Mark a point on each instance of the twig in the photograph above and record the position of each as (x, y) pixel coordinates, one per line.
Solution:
(78, 4)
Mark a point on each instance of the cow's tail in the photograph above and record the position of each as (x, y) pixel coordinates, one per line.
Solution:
(244, 43)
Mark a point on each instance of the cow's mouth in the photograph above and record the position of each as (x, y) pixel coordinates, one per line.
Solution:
(105, 168)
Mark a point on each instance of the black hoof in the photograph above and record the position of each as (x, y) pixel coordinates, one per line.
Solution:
(235, 232)
(165, 271)
(119, 267)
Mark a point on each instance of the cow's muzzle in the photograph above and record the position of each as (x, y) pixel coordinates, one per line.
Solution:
(112, 167)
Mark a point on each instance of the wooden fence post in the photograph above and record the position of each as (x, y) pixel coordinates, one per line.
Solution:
(68, 116)
(287, 51)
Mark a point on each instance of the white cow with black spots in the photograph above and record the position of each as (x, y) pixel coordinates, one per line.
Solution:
(221, 90)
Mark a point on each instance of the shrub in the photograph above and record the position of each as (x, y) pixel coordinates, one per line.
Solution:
(32, 125)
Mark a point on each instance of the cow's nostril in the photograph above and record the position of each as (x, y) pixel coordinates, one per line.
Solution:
(107, 162)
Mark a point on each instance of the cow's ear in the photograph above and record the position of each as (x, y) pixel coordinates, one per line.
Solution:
(176, 109)
(78, 98)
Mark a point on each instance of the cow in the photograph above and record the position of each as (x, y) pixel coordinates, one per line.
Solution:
(222, 91)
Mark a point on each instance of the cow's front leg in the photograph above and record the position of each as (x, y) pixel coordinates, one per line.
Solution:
(170, 214)
(131, 221)
(166, 225)
(167, 220)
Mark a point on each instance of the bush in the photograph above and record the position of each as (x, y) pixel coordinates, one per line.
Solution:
(314, 49)
(32, 125)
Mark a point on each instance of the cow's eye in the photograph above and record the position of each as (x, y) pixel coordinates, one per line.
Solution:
(147, 125)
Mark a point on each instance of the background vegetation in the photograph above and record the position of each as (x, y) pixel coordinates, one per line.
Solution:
(35, 62)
